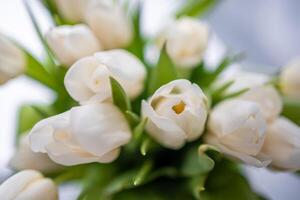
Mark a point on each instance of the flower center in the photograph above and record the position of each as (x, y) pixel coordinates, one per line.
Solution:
(179, 108)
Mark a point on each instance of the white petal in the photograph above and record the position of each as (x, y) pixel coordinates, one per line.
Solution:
(100, 128)
(64, 155)
(43, 189)
(259, 160)
(78, 78)
(42, 133)
(16, 184)
(164, 130)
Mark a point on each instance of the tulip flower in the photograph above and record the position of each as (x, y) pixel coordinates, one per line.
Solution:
(186, 41)
(259, 91)
(109, 22)
(25, 158)
(12, 60)
(176, 113)
(289, 79)
(282, 144)
(88, 79)
(72, 10)
(28, 184)
(237, 128)
(84, 134)
(70, 43)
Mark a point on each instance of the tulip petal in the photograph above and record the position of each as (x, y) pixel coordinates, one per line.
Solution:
(95, 128)
(164, 130)
(13, 186)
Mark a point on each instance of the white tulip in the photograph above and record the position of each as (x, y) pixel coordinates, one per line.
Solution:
(237, 128)
(70, 43)
(72, 10)
(267, 98)
(109, 22)
(259, 91)
(282, 144)
(25, 158)
(12, 60)
(88, 79)
(186, 41)
(289, 79)
(84, 134)
(176, 113)
(28, 185)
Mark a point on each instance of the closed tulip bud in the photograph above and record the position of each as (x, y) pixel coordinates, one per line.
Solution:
(176, 113)
(12, 60)
(88, 79)
(268, 99)
(237, 128)
(258, 91)
(70, 43)
(84, 134)
(289, 79)
(186, 41)
(109, 22)
(28, 184)
(25, 158)
(72, 10)
(282, 144)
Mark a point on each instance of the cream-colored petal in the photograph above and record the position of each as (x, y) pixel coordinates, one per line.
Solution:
(78, 77)
(43, 189)
(17, 183)
(164, 130)
(100, 128)
(42, 133)
(259, 160)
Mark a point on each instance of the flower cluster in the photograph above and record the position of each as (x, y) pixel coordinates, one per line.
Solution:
(115, 109)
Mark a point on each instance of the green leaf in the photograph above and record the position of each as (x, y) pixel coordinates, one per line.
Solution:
(196, 164)
(120, 98)
(52, 66)
(36, 71)
(29, 115)
(225, 182)
(143, 173)
(196, 7)
(196, 185)
(139, 129)
(133, 118)
(138, 43)
(163, 73)
(291, 109)
(52, 8)
(146, 145)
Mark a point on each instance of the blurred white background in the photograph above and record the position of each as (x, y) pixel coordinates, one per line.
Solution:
(268, 31)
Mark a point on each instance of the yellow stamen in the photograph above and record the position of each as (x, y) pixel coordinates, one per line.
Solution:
(179, 108)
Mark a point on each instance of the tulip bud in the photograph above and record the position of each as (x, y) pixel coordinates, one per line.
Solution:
(289, 79)
(186, 41)
(109, 22)
(25, 158)
(70, 43)
(237, 128)
(28, 184)
(72, 10)
(176, 113)
(282, 144)
(88, 79)
(268, 99)
(258, 91)
(12, 60)
(84, 134)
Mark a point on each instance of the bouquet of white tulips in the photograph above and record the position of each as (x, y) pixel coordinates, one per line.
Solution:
(128, 126)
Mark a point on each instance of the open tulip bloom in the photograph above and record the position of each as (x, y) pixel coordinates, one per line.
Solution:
(126, 129)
